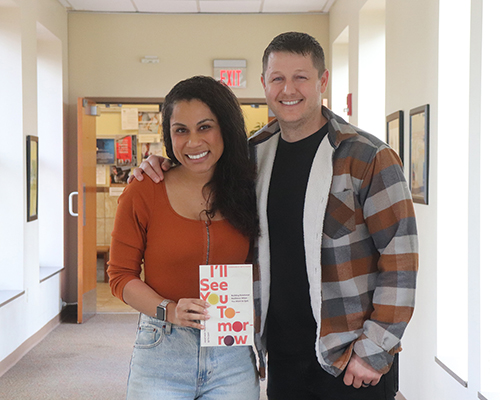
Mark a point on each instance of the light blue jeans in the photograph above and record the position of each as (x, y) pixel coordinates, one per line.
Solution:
(168, 363)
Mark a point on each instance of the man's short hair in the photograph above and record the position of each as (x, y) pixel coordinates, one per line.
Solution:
(298, 43)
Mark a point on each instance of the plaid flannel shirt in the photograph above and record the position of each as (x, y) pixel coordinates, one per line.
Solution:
(360, 239)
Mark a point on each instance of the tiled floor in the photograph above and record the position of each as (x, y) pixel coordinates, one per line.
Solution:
(107, 303)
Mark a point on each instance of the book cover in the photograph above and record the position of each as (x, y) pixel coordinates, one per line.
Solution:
(105, 152)
(126, 151)
(229, 290)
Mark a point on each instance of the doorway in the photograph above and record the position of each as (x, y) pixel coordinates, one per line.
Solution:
(106, 126)
(126, 134)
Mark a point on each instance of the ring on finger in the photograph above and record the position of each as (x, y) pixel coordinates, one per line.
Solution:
(365, 384)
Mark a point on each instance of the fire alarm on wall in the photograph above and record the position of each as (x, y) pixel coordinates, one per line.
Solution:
(348, 109)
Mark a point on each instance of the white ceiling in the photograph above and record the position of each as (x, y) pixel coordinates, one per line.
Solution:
(199, 6)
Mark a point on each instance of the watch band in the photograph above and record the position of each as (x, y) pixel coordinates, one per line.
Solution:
(161, 310)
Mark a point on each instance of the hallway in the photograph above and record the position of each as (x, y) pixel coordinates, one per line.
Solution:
(79, 361)
(438, 54)
(87, 361)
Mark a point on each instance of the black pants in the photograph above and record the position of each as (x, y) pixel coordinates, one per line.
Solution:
(308, 381)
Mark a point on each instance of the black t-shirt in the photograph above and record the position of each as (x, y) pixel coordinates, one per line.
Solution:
(291, 328)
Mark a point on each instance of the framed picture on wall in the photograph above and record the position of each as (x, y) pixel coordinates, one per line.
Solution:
(395, 132)
(419, 154)
(32, 176)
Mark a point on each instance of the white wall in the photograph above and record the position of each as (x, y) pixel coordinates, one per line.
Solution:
(339, 75)
(50, 132)
(371, 96)
(453, 171)
(39, 302)
(484, 119)
(345, 15)
(412, 79)
(11, 152)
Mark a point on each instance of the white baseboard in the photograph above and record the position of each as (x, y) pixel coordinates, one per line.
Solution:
(12, 359)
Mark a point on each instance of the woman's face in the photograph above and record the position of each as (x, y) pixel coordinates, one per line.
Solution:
(196, 137)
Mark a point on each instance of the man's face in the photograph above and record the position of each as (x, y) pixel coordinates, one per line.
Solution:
(293, 89)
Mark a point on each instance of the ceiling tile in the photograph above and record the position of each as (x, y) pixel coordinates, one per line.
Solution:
(298, 6)
(228, 6)
(102, 5)
(169, 6)
(195, 6)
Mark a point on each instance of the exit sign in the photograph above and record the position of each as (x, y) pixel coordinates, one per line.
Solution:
(231, 72)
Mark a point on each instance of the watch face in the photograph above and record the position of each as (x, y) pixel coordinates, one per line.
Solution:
(160, 313)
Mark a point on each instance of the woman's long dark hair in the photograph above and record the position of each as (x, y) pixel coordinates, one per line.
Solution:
(231, 190)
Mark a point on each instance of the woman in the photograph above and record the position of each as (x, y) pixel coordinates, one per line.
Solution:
(205, 213)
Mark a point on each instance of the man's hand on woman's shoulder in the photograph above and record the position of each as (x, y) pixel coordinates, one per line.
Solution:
(153, 166)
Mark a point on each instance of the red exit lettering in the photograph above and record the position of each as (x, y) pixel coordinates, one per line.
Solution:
(231, 77)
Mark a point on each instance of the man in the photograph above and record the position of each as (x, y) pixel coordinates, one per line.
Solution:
(337, 256)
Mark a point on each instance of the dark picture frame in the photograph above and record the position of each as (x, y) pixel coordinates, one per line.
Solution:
(395, 132)
(32, 176)
(419, 154)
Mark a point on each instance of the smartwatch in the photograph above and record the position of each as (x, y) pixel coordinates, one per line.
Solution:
(161, 310)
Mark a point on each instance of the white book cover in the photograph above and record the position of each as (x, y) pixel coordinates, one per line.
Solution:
(229, 290)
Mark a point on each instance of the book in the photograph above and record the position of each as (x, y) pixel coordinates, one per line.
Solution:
(105, 152)
(229, 290)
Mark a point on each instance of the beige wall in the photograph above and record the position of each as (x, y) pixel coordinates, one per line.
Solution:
(105, 50)
(104, 61)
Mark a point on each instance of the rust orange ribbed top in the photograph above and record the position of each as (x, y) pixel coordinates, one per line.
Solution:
(173, 247)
